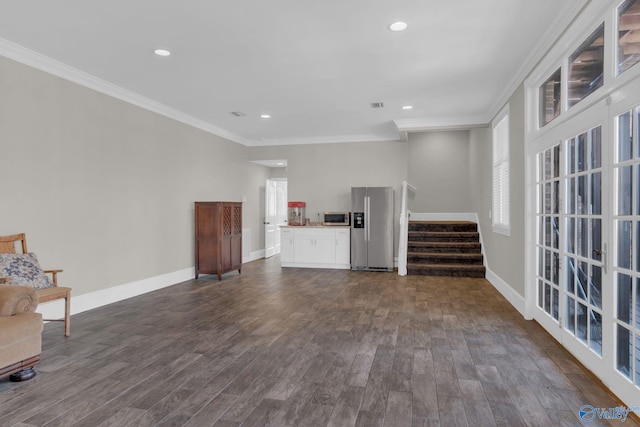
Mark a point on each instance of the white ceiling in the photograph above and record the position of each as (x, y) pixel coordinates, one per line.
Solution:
(315, 67)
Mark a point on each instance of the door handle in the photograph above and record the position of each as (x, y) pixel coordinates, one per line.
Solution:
(602, 253)
(367, 218)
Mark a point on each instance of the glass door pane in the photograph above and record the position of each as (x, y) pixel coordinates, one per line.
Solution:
(584, 251)
(548, 240)
(627, 258)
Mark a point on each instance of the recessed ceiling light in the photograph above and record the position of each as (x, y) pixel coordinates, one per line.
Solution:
(398, 26)
(280, 163)
(162, 52)
(407, 107)
(265, 116)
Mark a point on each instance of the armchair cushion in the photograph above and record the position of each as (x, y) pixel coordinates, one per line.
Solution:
(17, 299)
(24, 269)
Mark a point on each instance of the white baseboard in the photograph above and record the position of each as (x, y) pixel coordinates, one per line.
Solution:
(253, 256)
(85, 302)
(507, 291)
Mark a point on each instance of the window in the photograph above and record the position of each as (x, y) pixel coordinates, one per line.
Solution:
(628, 35)
(550, 98)
(586, 67)
(500, 206)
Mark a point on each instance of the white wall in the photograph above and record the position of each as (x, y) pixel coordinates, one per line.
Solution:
(322, 174)
(505, 254)
(104, 189)
(438, 166)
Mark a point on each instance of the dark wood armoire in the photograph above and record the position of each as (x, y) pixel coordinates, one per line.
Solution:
(218, 229)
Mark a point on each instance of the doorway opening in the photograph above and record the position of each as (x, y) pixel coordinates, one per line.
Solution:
(275, 213)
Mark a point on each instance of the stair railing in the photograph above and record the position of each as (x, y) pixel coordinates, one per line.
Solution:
(403, 239)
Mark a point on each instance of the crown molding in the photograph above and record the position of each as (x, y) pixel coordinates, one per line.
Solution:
(275, 163)
(405, 126)
(336, 139)
(56, 68)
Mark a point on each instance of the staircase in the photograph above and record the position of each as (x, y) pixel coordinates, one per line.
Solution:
(444, 248)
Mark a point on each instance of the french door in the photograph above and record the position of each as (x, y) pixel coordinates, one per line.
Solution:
(587, 240)
(584, 252)
(572, 175)
(627, 255)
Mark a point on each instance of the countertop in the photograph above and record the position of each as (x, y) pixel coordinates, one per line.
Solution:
(315, 226)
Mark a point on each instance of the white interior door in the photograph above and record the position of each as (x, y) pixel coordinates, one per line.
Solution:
(270, 219)
(281, 209)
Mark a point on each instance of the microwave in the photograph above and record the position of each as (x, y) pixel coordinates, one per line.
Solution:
(336, 218)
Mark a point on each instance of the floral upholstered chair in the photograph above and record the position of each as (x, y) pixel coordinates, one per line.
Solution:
(22, 268)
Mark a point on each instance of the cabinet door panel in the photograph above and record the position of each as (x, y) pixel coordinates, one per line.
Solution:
(343, 247)
(324, 248)
(286, 245)
(304, 248)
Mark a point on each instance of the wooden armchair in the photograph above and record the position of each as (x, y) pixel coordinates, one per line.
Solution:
(8, 246)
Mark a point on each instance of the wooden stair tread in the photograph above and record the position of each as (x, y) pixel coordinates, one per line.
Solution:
(464, 266)
(441, 222)
(442, 232)
(441, 243)
(456, 254)
(440, 258)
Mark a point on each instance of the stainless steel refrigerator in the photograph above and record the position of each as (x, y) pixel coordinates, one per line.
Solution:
(372, 228)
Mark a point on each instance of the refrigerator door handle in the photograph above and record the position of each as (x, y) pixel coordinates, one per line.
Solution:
(367, 217)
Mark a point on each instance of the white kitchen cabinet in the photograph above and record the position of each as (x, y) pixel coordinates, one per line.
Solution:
(286, 245)
(343, 246)
(316, 247)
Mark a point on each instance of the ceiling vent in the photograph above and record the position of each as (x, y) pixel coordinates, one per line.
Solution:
(377, 105)
(237, 113)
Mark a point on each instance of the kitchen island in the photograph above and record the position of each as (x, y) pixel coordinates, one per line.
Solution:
(315, 246)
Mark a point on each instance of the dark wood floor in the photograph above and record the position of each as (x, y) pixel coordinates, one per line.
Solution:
(299, 347)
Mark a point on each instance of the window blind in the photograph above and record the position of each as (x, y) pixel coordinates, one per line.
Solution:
(500, 204)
